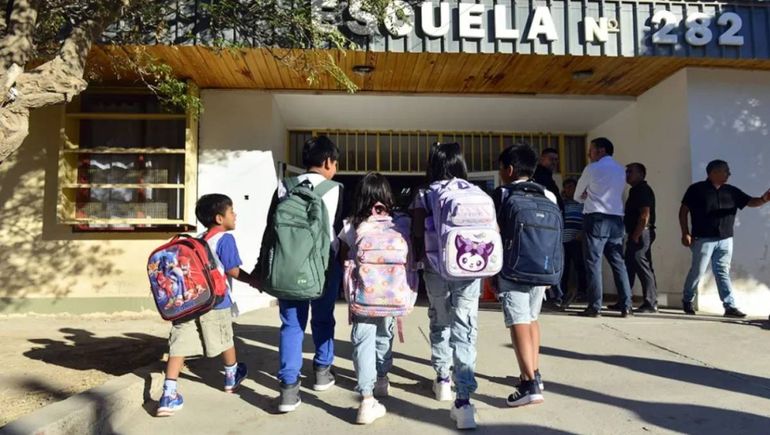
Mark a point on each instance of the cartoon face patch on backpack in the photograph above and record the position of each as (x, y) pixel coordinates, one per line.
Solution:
(462, 240)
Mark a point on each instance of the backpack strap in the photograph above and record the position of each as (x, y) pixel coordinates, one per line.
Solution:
(211, 233)
(291, 183)
(324, 188)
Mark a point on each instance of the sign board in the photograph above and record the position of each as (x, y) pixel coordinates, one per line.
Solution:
(559, 27)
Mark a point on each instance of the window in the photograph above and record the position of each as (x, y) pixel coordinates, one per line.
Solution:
(126, 164)
(394, 152)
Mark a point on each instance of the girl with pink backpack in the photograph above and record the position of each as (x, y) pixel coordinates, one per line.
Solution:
(455, 235)
(379, 285)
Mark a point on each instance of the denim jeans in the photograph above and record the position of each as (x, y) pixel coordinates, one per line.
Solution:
(718, 252)
(372, 339)
(453, 313)
(604, 234)
(573, 258)
(294, 315)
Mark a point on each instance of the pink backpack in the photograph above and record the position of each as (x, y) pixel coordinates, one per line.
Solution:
(462, 239)
(380, 281)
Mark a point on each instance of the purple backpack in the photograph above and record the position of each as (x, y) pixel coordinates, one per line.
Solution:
(462, 240)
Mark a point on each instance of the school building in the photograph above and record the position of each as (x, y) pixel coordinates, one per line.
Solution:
(102, 181)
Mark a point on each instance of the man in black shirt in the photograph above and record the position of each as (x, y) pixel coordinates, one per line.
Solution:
(639, 221)
(548, 163)
(712, 205)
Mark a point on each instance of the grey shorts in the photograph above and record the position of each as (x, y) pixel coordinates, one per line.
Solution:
(209, 334)
(521, 303)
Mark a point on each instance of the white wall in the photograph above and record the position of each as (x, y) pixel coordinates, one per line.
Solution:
(729, 113)
(241, 136)
(654, 131)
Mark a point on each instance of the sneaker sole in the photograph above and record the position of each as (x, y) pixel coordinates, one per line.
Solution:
(534, 399)
(463, 427)
(167, 412)
(323, 387)
(289, 408)
(369, 420)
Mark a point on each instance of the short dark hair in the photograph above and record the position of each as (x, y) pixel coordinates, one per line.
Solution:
(549, 151)
(639, 166)
(317, 150)
(209, 206)
(714, 165)
(605, 144)
(372, 188)
(571, 181)
(445, 161)
(521, 157)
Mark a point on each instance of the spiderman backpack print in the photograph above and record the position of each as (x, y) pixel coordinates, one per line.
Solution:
(186, 277)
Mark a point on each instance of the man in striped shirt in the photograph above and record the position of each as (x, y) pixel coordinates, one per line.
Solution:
(572, 237)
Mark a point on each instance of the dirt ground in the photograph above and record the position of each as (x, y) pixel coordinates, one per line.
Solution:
(47, 358)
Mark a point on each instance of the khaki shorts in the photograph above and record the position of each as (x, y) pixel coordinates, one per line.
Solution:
(209, 334)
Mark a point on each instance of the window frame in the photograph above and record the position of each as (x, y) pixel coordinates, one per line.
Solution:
(70, 152)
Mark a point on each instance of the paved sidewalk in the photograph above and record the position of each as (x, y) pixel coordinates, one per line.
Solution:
(648, 374)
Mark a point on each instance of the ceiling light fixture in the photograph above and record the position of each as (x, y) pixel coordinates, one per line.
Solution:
(363, 69)
(582, 74)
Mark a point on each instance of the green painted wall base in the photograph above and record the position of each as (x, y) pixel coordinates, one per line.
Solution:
(75, 305)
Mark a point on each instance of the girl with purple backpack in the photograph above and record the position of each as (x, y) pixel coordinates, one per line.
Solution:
(379, 285)
(447, 217)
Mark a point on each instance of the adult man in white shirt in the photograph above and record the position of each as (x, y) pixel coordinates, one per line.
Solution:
(600, 188)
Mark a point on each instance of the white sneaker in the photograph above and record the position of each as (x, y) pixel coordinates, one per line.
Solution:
(465, 417)
(370, 410)
(382, 387)
(443, 390)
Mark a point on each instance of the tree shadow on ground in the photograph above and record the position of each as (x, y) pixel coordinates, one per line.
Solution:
(694, 374)
(82, 350)
(682, 418)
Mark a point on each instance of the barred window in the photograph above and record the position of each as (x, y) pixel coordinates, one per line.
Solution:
(126, 164)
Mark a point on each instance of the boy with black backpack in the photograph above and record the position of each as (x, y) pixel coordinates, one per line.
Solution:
(298, 265)
(530, 225)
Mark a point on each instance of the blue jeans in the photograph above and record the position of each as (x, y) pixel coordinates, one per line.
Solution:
(294, 316)
(718, 252)
(604, 235)
(372, 339)
(453, 313)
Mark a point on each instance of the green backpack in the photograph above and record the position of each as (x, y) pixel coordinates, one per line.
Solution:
(295, 249)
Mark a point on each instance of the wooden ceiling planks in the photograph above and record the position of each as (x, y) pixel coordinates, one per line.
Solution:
(419, 72)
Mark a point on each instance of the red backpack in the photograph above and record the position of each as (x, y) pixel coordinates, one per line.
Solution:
(186, 277)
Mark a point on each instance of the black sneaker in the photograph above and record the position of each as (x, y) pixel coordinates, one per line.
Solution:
(615, 307)
(527, 393)
(289, 399)
(324, 378)
(539, 380)
(646, 309)
(734, 313)
(589, 312)
(687, 308)
(625, 312)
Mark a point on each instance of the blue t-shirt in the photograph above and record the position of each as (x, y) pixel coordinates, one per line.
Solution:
(227, 251)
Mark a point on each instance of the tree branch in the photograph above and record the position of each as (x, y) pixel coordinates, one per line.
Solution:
(17, 46)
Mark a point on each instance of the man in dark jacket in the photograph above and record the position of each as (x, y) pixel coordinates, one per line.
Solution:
(548, 163)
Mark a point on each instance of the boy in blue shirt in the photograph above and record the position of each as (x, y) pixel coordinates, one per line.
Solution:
(212, 332)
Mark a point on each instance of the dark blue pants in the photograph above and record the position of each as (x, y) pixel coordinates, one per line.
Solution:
(604, 235)
(294, 315)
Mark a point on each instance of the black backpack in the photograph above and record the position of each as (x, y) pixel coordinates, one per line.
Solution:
(531, 227)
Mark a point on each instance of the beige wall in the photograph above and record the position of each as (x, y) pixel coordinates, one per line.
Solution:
(45, 261)
(729, 119)
(654, 131)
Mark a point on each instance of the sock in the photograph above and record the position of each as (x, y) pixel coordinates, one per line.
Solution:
(230, 370)
(459, 403)
(169, 387)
